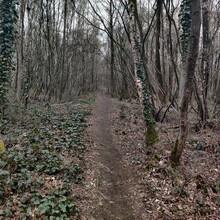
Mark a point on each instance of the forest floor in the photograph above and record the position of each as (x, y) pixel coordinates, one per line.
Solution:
(124, 180)
(87, 161)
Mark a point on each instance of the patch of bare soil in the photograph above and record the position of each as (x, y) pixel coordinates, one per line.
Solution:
(109, 181)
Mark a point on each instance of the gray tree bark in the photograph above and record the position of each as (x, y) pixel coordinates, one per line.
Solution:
(143, 93)
(193, 48)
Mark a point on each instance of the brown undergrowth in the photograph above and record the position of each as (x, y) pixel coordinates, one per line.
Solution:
(192, 191)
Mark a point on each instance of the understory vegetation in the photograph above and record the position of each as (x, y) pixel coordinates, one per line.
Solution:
(190, 191)
(42, 161)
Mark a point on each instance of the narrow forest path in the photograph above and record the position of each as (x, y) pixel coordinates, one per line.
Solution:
(109, 182)
(123, 181)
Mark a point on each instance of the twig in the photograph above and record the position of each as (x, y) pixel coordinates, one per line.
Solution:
(97, 189)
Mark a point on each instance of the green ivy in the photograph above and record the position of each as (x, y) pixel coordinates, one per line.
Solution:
(8, 19)
(185, 22)
(44, 152)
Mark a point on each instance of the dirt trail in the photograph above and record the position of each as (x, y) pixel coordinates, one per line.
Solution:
(108, 180)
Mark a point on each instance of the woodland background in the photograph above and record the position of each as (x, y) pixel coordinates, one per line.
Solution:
(74, 46)
(164, 53)
(67, 48)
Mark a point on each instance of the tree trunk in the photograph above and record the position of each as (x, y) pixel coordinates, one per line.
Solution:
(62, 76)
(159, 75)
(205, 65)
(112, 50)
(20, 52)
(193, 48)
(8, 18)
(143, 93)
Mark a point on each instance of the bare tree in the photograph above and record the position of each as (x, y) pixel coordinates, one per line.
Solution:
(193, 47)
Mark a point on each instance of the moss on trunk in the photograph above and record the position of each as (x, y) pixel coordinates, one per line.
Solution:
(151, 135)
(173, 156)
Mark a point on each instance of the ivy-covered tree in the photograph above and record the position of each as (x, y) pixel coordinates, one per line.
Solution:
(185, 24)
(140, 75)
(192, 52)
(8, 18)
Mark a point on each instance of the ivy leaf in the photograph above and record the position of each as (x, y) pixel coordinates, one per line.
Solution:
(2, 146)
(63, 208)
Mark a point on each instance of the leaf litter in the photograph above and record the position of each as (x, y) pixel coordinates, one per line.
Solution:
(190, 191)
(47, 164)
